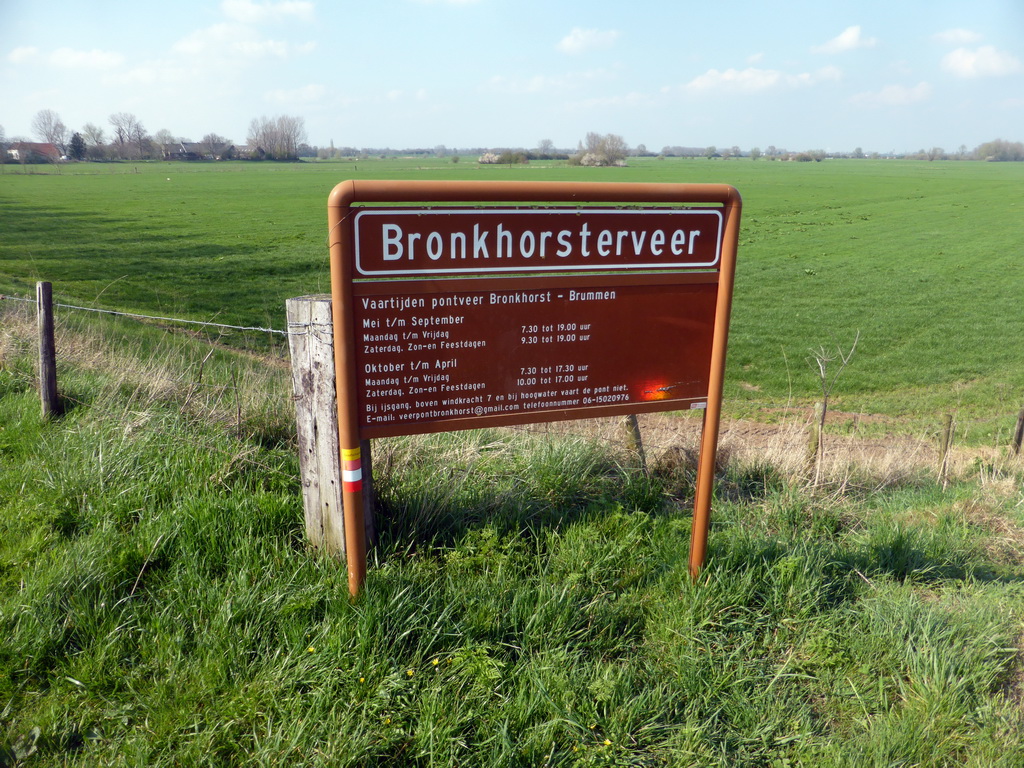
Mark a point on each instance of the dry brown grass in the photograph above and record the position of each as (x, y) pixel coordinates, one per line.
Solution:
(206, 380)
(213, 383)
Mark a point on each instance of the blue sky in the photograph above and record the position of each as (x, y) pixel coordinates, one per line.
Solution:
(881, 75)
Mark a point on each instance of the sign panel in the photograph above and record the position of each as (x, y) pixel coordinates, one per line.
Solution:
(394, 242)
(472, 353)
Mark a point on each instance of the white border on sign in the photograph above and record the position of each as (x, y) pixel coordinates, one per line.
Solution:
(531, 268)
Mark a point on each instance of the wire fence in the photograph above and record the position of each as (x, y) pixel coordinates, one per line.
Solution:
(137, 316)
(667, 439)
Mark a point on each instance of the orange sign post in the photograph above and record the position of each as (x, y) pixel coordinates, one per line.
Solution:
(460, 305)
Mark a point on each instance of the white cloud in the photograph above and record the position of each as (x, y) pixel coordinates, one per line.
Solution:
(397, 95)
(261, 49)
(849, 39)
(215, 38)
(304, 95)
(957, 37)
(225, 41)
(894, 96)
(581, 40)
(985, 61)
(162, 72)
(248, 12)
(752, 79)
(624, 101)
(545, 83)
(94, 59)
(22, 54)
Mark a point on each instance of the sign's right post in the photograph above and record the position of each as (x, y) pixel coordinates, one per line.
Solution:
(713, 414)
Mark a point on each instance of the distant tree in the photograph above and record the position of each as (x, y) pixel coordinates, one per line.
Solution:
(772, 152)
(277, 138)
(735, 151)
(755, 153)
(212, 145)
(130, 138)
(513, 157)
(1000, 151)
(291, 133)
(121, 123)
(545, 148)
(50, 128)
(93, 135)
(601, 150)
(711, 151)
(164, 137)
(440, 150)
(77, 148)
(97, 152)
(3, 149)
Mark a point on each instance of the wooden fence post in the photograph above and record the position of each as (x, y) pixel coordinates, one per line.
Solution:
(815, 439)
(47, 351)
(311, 344)
(944, 445)
(1018, 433)
(635, 441)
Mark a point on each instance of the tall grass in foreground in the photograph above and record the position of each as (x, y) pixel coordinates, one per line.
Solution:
(529, 603)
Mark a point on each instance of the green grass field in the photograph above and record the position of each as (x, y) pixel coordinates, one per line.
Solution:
(920, 258)
(529, 602)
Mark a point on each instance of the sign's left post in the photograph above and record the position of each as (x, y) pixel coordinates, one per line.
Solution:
(340, 239)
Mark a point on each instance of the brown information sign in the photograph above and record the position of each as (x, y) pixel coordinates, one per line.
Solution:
(462, 305)
(449, 355)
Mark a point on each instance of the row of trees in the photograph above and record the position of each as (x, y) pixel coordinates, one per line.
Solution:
(284, 138)
(597, 150)
(278, 138)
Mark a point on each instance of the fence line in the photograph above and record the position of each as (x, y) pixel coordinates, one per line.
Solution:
(137, 316)
(666, 435)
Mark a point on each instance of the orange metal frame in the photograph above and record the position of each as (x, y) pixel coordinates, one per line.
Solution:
(340, 237)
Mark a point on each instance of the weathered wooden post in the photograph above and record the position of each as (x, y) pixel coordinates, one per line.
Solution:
(47, 351)
(635, 440)
(945, 442)
(1018, 433)
(311, 344)
(815, 441)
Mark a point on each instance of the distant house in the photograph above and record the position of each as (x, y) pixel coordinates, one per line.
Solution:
(31, 152)
(193, 150)
(249, 152)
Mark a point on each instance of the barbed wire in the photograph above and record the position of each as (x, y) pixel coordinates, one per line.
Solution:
(137, 316)
(666, 438)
